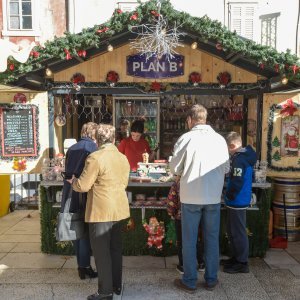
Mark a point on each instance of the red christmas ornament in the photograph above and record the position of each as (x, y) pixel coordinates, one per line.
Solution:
(68, 55)
(81, 53)
(11, 67)
(155, 86)
(112, 77)
(289, 108)
(134, 16)
(224, 78)
(119, 11)
(195, 78)
(104, 29)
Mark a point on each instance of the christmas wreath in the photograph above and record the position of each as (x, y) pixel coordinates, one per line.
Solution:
(224, 78)
(195, 78)
(112, 77)
(78, 78)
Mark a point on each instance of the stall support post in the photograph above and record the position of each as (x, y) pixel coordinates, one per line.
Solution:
(51, 123)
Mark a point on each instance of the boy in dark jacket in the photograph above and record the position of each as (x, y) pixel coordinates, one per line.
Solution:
(237, 199)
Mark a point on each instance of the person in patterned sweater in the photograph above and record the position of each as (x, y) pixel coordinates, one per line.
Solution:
(174, 211)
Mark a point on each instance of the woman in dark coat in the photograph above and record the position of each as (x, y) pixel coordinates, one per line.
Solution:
(75, 160)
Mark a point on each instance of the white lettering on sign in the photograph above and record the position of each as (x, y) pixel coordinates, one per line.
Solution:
(173, 66)
(136, 65)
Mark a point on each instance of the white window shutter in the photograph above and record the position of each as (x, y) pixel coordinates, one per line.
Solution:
(242, 19)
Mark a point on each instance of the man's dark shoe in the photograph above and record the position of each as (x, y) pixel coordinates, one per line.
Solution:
(236, 268)
(210, 286)
(227, 262)
(117, 290)
(87, 273)
(100, 296)
(181, 286)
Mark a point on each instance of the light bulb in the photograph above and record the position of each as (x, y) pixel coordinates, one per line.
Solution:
(48, 72)
(284, 80)
(194, 45)
(110, 48)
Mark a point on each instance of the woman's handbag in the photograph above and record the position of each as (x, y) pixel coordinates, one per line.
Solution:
(70, 226)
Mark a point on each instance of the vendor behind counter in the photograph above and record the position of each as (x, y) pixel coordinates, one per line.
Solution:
(135, 145)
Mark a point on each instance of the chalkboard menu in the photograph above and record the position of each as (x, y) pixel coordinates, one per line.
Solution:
(18, 130)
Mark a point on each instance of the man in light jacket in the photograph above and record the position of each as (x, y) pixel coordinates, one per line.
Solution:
(201, 158)
(105, 178)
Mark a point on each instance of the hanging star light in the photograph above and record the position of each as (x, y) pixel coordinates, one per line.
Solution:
(156, 39)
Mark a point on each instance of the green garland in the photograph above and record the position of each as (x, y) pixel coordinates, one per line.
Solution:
(165, 86)
(276, 155)
(74, 45)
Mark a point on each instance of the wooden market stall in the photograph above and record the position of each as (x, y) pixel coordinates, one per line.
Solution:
(99, 76)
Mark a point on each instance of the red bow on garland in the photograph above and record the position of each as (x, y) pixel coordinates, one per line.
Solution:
(81, 53)
(112, 77)
(68, 54)
(195, 77)
(289, 108)
(155, 86)
(224, 78)
(78, 78)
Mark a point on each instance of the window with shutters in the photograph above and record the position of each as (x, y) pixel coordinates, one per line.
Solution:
(241, 18)
(269, 29)
(20, 18)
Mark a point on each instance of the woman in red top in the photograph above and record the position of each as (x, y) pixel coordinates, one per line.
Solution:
(135, 145)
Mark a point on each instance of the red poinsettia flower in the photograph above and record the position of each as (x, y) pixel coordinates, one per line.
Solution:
(81, 53)
(224, 78)
(195, 77)
(102, 30)
(112, 77)
(134, 16)
(289, 108)
(78, 78)
(68, 54)
(155, 86)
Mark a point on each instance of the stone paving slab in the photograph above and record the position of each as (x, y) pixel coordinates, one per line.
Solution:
(27, 292)
(279, 259)
(141, 263)
(6, 247)
(26, 248)
(20, 238)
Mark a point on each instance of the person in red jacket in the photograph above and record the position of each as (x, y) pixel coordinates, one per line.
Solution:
(135, 145)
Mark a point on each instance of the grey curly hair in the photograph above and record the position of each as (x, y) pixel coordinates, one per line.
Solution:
(105, 134)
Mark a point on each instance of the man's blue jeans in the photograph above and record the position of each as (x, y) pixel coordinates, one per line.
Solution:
(191, 215)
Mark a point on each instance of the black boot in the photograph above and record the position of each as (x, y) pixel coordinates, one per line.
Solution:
(87, 272)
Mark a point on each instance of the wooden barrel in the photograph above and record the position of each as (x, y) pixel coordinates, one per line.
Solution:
(291, 189)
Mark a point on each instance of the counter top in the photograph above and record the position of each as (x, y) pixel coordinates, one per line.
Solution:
(47, 184)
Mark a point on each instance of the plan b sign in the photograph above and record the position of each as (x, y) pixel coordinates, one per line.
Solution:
(139, 66)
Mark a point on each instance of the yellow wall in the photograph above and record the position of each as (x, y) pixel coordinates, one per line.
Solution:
(41, 100)
(96, 69)
(269, 100)
(4, 195)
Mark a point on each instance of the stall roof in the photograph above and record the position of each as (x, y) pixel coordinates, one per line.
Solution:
(211, 37)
